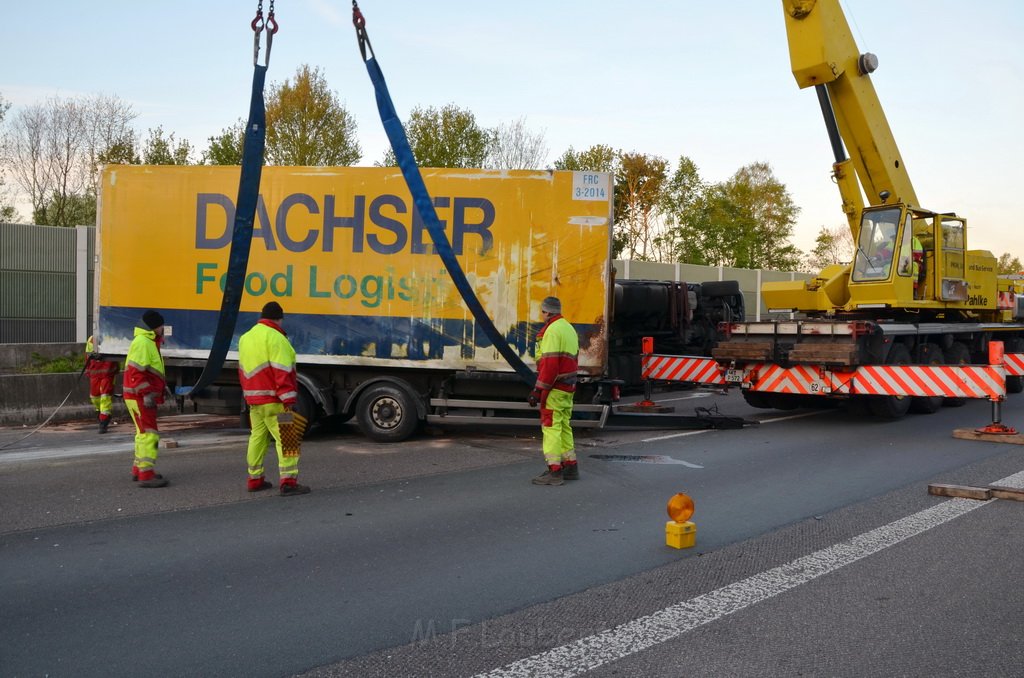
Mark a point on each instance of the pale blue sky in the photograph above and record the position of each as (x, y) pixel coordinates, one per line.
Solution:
(709, 80)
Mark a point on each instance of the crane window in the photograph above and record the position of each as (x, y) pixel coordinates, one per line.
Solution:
(876, 245)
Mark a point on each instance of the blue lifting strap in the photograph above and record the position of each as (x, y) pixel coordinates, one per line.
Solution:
(425, 207)
(241, 238)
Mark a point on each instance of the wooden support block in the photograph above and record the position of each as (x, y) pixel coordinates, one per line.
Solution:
(168, 443)
(961, 491)
(971, 434)
(1002, 492)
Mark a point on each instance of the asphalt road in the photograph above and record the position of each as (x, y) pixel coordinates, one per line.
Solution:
(438, 557)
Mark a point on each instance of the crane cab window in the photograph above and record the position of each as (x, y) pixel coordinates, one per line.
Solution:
(876, 246)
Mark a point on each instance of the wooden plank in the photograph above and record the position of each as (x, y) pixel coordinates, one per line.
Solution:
(817, 352)
(742, 350)
(1003, 492)
(971, 434)
(962, 491)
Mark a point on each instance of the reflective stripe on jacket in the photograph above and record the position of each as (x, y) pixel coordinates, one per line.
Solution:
(266, 365)
(99, 370)
(558, 347)
(144, 367)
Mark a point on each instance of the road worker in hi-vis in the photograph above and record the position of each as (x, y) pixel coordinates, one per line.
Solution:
(144, 387)
(101, 383)
(266, 369)
(558, 347)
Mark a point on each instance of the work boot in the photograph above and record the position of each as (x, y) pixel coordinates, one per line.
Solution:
(104, 423)
(156, 480)
(135, 475)
(259, 484)
(293, 489)
(571, 471)
(549, 477)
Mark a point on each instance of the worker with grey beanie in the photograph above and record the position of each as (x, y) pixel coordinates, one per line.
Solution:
(558, 348)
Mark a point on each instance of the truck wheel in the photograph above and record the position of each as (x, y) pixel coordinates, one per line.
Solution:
(957, 354)
(1015, 384)
(892, 407)
(931, 354)
(386, 414)
(306, 406)
(757, 399)
(784, 401)
(720, 288)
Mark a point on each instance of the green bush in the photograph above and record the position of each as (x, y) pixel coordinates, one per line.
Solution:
(65, 363)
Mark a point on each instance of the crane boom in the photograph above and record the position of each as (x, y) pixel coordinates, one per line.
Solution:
(824, 54)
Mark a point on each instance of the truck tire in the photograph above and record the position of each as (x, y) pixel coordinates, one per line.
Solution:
(307, 407)
(931, 354)
(386, 413)
(757, 399)
(1014, 384)
(957, 354)
(892, 407)
(720, 288)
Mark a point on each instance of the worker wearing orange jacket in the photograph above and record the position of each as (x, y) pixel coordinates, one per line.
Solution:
(266, 369)
(144, 387)
(558, 348)
(101, 383)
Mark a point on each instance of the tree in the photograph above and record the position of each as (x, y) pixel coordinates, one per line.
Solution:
(765, 226)
(28, 156)
(7, 211)
(680, 201)
(449, 137)
(308, 125)
(599, 158)
(158, 150)
(120, 152)
(1008, 265)
(226, 148)
(107, 122)
(514, 147)
(75, 209)
(55, 150)
(832, 246)
(639, 186)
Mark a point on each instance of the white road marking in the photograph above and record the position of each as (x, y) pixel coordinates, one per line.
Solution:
(794, 416)
(675, 435)
(108, 448)
(671, 622)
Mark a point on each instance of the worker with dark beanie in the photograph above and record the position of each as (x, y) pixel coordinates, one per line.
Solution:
(266, 369)
(144, 387)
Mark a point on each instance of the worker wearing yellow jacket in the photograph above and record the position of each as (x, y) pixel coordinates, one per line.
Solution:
(101, 383)
(144, 387)
(266, 369)
(557, 351)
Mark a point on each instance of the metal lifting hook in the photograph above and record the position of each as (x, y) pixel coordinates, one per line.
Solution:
(258, 24)
(359, 21)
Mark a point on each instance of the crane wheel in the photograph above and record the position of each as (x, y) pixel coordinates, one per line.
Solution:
(892, 407)
(931, 354)
(957, 354)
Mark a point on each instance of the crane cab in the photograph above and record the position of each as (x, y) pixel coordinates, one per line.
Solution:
(915, 259)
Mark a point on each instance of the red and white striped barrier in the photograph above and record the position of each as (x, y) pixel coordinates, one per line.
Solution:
(1014, 364)
(961, 381)
(683, 368)
(949, 381)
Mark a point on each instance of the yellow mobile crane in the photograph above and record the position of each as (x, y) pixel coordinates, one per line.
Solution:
(914, 293)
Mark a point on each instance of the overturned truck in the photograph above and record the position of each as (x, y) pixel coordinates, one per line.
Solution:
(380, 333)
